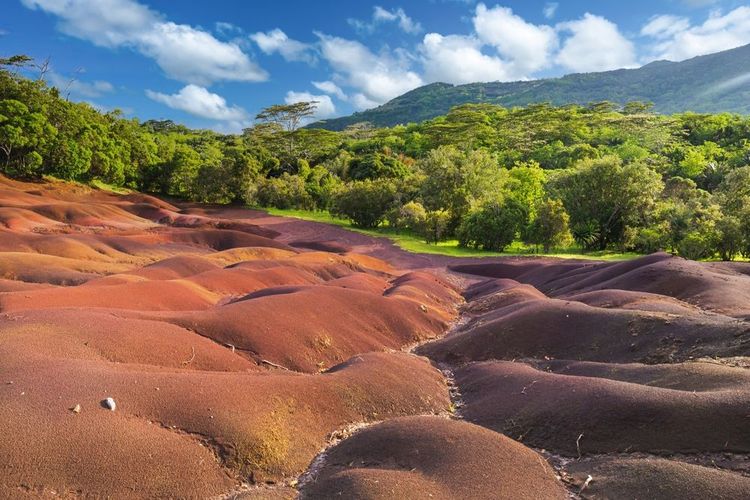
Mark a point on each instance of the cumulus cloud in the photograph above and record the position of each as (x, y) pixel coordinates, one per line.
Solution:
(377, 77)
(324, 107)
(676, 39)
(381, 15)
(200, 102)
(78, 87)
(458, 59)
(526, 47)
(276, 41)
(331, 88)
(184, 53)
(594, 44)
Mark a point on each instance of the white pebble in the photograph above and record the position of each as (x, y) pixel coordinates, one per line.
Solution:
(110, 404)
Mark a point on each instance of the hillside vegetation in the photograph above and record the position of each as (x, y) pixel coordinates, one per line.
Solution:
(599, 176)
(713, 83)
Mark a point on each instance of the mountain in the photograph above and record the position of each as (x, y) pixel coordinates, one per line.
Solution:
(706, 84)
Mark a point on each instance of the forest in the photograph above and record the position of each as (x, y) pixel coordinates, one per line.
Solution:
(598, 177)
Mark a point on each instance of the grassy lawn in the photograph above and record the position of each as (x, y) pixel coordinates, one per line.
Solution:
(413, 243)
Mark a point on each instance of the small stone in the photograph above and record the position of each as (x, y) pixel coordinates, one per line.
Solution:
(76, 409)
(423, 307)
(109, 404)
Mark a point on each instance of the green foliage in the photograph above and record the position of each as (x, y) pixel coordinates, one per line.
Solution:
(603, 197)
(456, 180)
(550, 226)
(410, 216)
(622, 179)
(366, 202)
(286, 191)
(434, 228)
(22, 133)
(493, 226)
(376, 166)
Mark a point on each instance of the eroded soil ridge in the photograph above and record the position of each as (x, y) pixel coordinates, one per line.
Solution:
(238, 347)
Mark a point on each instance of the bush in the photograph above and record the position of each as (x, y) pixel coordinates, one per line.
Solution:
(376, 166)
(287, 191)
(730, 237)
(435, 225)
(409, 216)
(365, 203)
(550, 227)
(696, 245)
(586, 234)
(651, 239)
(492, 227)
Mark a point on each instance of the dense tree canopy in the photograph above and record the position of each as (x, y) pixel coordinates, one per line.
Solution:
(483, 174)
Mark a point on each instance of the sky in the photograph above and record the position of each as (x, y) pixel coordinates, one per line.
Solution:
(217, 64)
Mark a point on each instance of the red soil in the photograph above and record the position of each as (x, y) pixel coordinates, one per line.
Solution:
(432, 457)
(209, 327)
(667, 408)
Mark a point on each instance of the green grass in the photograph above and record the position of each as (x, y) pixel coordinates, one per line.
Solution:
(413, 243)
(96, 183)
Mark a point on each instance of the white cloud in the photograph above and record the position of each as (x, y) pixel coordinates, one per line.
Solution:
(227, 29)
(200, 102)
(526, 47)
(361, 102)
(550, 9)
(595, 44)
(277, 41)
(666, 26)
(406, 23)
(381, 15)
(681, 40)
(78, 87)
(331, 88)
(184, 53)
(378, 77)
(324, 107)
(458, 59)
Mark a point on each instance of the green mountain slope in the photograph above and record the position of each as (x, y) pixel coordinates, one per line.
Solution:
(713, 83)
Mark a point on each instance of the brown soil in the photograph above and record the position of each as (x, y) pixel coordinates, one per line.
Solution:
(421, 457)
(237, 346)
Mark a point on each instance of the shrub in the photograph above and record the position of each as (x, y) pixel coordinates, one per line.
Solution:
(696, 245)
(435, 225)
(651, 239)
(286, 191)
(550, 227)
(409, 216)
(365, 203)
(493, 226)
(730, 237)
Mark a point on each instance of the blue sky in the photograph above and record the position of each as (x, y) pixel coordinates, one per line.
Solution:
(216, 64)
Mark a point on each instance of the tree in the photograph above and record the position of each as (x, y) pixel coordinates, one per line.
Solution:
(287, 191)
(366, 202)
(550, 226)
(434, 226)
(375, 166)
(23, 136)
(606, 196)
(288, 117)
(729, 238)
(734, 191)
(493, 226)
(454, 181)
(411, 215)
